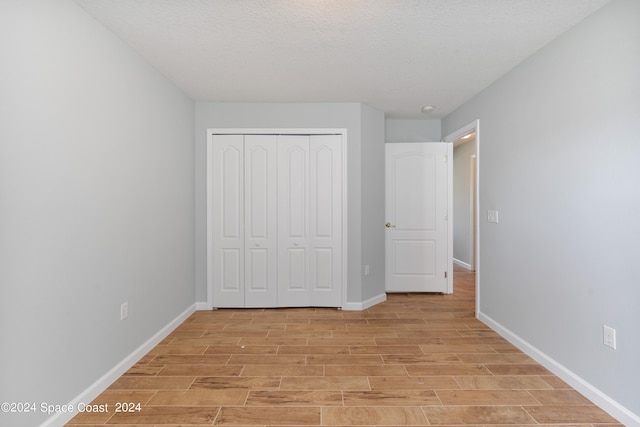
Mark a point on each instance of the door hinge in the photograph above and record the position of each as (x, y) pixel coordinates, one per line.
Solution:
(445, 274)
(446, 158)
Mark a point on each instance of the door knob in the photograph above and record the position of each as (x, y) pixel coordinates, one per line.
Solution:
(388, 225)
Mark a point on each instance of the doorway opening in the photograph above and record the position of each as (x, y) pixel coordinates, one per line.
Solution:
(469, 133)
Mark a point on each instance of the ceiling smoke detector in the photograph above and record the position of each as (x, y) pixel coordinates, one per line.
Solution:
(427, 109)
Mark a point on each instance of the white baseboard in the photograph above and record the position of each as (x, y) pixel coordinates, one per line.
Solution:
(200, 306)
(613, 408)
(60, 418)
(462, 264)
(359, 306)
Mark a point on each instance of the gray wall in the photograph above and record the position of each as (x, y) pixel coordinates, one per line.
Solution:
(559, 160)
(398, 130)
(462, 201)
(357, 119)
(96, 203)
(373, 215)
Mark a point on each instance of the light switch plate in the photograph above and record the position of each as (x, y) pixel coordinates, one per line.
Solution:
(492, 216)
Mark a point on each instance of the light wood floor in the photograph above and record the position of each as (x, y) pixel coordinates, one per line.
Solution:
(418, 359)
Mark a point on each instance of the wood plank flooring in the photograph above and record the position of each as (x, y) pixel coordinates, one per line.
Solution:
(419, 359)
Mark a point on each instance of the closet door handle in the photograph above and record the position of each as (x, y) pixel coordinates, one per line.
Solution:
(258, 244)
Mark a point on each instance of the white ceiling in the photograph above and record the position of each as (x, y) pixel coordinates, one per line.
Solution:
(395, 55)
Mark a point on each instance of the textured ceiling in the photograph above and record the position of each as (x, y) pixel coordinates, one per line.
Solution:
(395, 55)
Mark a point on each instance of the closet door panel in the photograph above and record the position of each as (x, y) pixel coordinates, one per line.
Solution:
(293, 220)
(296, 275)
(225, 213)
(260, 219)
(322, 268)
(230, 271)
(325, 240)
(295, 191)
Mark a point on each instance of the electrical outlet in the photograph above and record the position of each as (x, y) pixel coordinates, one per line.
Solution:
(609, 336)
(366, 269)
(124, 310)
(492, 216)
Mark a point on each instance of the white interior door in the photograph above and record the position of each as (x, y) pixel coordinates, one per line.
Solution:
(417, 242)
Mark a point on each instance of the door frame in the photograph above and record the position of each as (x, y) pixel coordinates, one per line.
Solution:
(452, 137)
(277, 131)
(473, 214)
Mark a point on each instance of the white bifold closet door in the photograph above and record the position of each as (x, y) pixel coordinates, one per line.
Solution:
(276, 220)
(309, 220)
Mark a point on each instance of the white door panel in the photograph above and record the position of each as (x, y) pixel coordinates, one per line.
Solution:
(413, 186)
(260, 157)
(231, 185)
(414, 257)
(295, 274)
(417, 236)
(293, 214)
(322, 269)
(325, 219)
(226, 249)
(230, 270)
